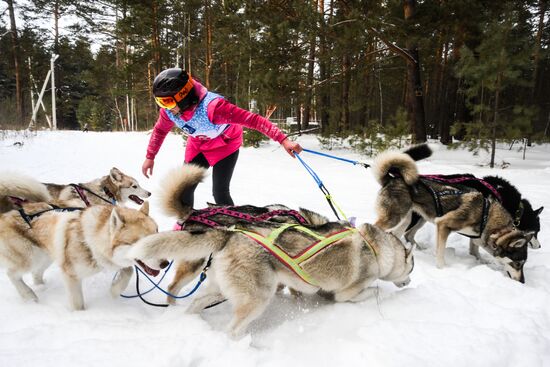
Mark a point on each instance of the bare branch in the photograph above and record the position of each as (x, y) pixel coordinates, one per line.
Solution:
(401, 52)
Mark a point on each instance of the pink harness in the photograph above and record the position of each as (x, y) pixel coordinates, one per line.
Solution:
(458, 180)
(202, 215)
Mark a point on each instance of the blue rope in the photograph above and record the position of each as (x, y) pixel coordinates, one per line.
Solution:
(152, 288)
(335, 157)
(322, 187)
(202, 277)
(310, 170)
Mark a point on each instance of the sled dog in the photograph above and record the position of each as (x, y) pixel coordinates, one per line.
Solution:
(116, 187)
(247, 274)
(82, 241)
(463, 210)
(525, 217)
(182, 178)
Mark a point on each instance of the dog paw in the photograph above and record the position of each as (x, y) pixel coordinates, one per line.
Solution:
(30, 297)
(440, 264)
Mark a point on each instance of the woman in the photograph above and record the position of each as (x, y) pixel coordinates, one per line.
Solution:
(214, 129)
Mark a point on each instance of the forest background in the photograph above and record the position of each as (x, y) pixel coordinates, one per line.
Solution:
(473, 71)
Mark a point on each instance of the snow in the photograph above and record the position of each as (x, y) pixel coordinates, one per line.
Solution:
(468, 314)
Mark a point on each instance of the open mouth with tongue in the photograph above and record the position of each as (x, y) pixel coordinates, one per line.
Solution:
(136, 199)
(148, 270)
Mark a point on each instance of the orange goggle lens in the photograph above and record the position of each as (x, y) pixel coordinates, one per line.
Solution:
(166, 102)
(171, 102)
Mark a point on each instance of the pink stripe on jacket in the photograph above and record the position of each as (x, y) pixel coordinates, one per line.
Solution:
(219, 112)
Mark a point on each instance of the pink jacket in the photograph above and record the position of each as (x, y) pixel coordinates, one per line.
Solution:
(219, 112)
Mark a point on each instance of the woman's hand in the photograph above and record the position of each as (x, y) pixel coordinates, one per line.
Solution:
(147, 167)
(291, 147)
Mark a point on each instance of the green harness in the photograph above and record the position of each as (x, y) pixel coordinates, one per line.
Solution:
(293, 262)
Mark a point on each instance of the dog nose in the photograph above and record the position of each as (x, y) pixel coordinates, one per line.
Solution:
(148, 194)
(164, 263)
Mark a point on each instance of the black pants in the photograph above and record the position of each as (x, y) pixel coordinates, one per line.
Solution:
(221, 178)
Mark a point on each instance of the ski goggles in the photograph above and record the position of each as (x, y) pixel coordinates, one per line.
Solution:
(170, 102)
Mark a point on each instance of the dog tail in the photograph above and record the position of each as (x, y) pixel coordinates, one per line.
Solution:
(419, 152)
(180, 245)
(175, 184)
(388, 165)
(21, 187)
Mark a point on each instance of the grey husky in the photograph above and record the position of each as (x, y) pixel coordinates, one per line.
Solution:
(180, 179)
(247, 274)
(465, 211)
(116, 187)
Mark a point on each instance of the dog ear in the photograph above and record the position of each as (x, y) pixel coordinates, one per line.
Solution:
(539, 210)
(520, 242)
(145, 208)
(116, 174)
(115, 222)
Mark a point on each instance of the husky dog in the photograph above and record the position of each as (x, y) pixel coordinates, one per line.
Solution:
(247, 274)
(111, 189)
(82, 242)
(180, 179)
(463, 210)
(525, 218)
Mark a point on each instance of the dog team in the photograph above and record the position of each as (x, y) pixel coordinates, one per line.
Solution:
(254, 251)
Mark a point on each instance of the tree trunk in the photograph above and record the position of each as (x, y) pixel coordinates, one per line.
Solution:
(368, 83)
(434, 90)
(208, 40)
(344, 119)
(56, 16)
(155, 36)
(535, 91)
(309, 83)
(453, 104)
(495, 122)
(17, 64)
(415, 94)
(323, 91)
(536, 56)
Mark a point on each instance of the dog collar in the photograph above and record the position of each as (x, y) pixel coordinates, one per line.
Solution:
(80, 190)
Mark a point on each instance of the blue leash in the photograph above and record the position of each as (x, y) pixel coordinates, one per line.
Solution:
(322, 187)
(202, 278)
(152, 288)
(338, 158)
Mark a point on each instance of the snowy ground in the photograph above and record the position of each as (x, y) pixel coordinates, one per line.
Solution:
(468, 314)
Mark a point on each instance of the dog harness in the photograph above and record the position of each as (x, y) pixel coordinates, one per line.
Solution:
(293, 262)
(28, 218)
(203, 215)
(437, 195)
(80, 190)
(463, 180)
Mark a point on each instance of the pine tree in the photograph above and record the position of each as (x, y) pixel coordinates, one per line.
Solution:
(491, 73)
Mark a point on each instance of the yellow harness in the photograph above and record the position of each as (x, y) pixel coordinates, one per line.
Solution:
(293, 262)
